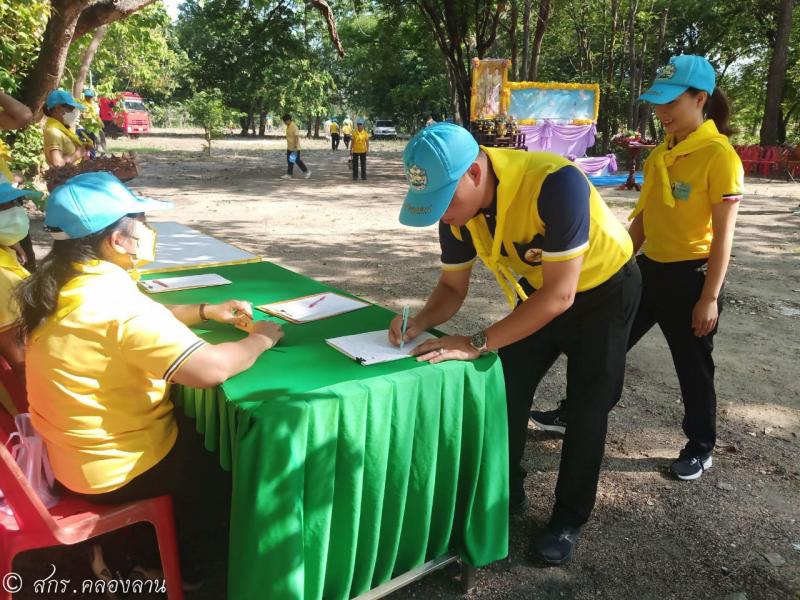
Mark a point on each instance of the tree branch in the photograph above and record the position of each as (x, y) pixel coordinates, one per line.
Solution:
(103, 12)
(323, 7)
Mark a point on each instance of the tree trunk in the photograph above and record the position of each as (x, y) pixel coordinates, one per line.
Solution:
(512, 38)
(633, 9)
(541, 26)
(262, 122)
(104, 12)
(309, 121)
(645, 108)
(526, 40)
(49, 67)
(86, 60)
(317, 123)
(768, 135)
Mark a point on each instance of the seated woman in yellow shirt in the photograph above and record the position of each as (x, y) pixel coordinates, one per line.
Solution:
(14, 225)
(100, 356)
(61, 144)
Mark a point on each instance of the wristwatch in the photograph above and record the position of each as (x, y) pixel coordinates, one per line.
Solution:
(479, 342)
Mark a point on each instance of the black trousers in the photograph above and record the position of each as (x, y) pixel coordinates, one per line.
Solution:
(299, 162)
(335, 138)
(362, 158)
(201, 495)
(669, 293)
(347, 139)
(593, 334)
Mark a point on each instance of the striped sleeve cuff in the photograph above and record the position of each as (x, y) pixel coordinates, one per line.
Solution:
(565, 254)
(173, 368)
(459, 266)
(732, 197)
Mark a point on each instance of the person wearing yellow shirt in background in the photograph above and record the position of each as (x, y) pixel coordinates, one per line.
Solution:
(359, 149)
(335, 136)
(293, 149)
(61, 143)
(684, 223)
(347, 133)
(14, 226)
(101, 354)
(532, 216)
(90, 121)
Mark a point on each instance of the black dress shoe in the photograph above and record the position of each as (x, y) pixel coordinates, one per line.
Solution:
(555, 545)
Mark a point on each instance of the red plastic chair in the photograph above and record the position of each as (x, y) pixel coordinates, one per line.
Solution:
(769, 161)
(74, 520)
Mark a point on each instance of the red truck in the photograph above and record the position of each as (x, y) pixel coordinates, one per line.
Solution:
(124, 114)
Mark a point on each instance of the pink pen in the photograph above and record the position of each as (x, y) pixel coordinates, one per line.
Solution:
(317, 301)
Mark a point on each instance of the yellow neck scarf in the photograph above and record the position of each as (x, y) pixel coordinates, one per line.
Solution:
(658, 182)
(9, 262)
(51, 122)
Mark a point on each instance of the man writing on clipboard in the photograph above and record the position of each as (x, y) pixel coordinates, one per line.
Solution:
(563, 261)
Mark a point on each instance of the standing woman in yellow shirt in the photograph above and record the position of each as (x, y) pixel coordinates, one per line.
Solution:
(359, 149)
(61, 143)
(684, 224)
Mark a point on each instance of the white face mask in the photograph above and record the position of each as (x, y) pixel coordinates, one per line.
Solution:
(71, 117)
(144, 237)
(14, 225)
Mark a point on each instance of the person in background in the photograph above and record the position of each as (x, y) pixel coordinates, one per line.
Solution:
(293, 149)
(61, 143)
(90, 121)
(430, 121)
(335, 136)
(14, 226)
(359, 149)
(347, 133)
(101, 354)
(15, 115)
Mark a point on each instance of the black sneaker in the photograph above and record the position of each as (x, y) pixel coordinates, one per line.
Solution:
(550, 420)
(555, 545)
(690, 466)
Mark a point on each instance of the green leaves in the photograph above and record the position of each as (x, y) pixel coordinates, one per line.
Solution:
(22, 24)
(207, 110)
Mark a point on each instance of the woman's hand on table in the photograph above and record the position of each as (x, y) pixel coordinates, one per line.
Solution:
(449, 347)
(413, 329)
(268, 329)
(235, 312)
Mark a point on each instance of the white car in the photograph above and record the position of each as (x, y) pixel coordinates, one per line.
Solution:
(384, 129)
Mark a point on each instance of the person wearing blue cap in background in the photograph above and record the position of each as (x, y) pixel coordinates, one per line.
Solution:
(90, 123)
(684, 223)
(100, 355)
(532, 216)
(14, 226)
(359, 149)
(61, 142)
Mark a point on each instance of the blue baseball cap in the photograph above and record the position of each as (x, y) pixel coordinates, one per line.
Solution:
(681, 73)
(58, 97)
(434, 160)
(90, 202)
(88, 92)
(8, 193)
(360, 121)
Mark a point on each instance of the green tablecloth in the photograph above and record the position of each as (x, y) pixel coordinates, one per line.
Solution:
(345, 475)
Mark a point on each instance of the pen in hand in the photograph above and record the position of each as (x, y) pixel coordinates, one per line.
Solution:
(404, 326)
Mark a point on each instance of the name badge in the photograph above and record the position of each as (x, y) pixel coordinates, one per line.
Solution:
(681, 191)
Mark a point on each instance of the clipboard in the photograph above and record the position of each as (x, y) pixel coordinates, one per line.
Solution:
(312, 307)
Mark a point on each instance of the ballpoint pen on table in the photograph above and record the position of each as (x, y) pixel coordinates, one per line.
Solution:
(317, 301)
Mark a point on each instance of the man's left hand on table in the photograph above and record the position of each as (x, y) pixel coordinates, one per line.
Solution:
(236, 312)
(449, 347)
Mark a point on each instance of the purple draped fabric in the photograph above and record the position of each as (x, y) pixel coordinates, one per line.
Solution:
(559, 138)
(597, 165)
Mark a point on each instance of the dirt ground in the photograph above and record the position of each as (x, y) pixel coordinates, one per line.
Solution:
(734, 531)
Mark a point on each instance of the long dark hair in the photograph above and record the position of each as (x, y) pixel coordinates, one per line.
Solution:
(37, 296)
(718, 109)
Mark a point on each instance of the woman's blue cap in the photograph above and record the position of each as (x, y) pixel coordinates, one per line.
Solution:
(434, 161)
(90, 202)
(680, 74)
(58, 97)
(8, 193)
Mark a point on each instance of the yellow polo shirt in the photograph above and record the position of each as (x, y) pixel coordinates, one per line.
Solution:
(97, 373)
(334, 128)
(11, 273)
(292, 137)
(347, 130)
(360, 141)
(55, 139)
(710, 175)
